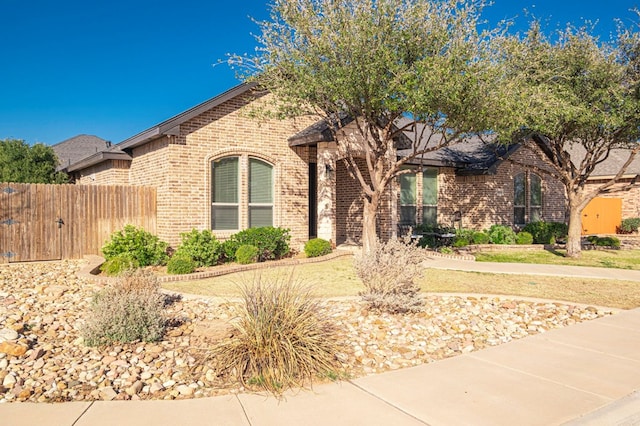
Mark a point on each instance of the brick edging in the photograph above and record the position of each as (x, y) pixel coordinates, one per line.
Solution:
(93, 265)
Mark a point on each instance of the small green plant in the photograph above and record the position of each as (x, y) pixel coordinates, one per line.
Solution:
(130, 309)
(630, 225)
(118, 264)
(463, 237)
(317, 247)
(201, 246)
(500, 234)
(283, 339)
(247, 254)
(523, 237)
(181, 263)
(546, 232)
(145, 248)
(389, 273)
(612, 242)
(480, 237)
(272, 243)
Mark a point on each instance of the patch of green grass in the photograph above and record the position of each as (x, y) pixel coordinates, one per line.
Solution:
(620, 259)
(337, 278)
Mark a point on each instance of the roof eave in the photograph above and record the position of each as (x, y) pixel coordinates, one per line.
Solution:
(172, 125)
(97, 158)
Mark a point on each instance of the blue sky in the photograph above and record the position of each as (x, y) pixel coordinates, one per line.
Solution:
(115, 68)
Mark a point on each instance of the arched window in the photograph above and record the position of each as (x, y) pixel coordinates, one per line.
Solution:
(527, 198)
(233, 208)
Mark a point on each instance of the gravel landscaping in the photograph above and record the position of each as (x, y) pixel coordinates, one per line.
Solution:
(43, 307)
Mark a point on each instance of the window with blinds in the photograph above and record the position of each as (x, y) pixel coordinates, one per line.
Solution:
(408, 198)
(430, 197)
(225, 204)
(242, 193)
(260, 193)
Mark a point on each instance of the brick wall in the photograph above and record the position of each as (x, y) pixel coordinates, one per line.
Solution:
(180, 167)
(488, 199)
(630, 195)
(110, 172)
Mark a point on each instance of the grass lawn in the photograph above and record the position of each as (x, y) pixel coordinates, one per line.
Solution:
(337, 278)
(621, 259)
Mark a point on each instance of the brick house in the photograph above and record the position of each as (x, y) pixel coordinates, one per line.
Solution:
(215, 167)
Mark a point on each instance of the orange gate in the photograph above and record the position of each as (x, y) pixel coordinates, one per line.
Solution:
(602, 216)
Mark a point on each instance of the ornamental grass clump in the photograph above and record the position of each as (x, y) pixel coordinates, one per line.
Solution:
(389, 273)
(282, 338)
(130, 309)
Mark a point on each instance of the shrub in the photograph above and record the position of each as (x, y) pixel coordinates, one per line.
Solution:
(317, 247)
(523, 237)
(630, 225)
(119, 264)
(201, 246)
(247, 254)
(604, 241)
(500, 234)
(145, 248)
(128, 310)
(389, 273)
(272, 243)
(546, 232)
(480, 237)
(181, 263)
(282, 337)
(463, 237)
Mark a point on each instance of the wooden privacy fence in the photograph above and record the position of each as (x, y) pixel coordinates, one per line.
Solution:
(50, 222)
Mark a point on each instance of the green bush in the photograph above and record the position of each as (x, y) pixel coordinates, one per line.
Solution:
(181, 263)
(201, 246)
(317, 247)
(500, 234)
(523, 237)
(283, 338)
(546, 232)
(246, 254)
(463, 237)
(272, 243)
(480, 237)
(119, 264)
(145, 248)
(130, 309)
(612, 242)
(630, 225)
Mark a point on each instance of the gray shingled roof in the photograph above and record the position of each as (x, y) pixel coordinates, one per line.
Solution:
(77, 148)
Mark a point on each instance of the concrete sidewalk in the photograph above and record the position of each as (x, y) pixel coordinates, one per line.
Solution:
(588, 373)
(532, 269)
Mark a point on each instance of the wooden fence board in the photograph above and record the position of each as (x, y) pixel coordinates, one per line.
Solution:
(89, 214)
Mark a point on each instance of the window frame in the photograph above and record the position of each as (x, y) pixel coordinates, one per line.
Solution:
(527, 207)
(223, 204)
(245, 192)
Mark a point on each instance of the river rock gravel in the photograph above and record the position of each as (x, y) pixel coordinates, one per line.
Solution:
(43, 307)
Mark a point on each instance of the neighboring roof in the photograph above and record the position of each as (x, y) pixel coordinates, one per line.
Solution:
(172, 125)
(610, 167)
(77, 148)
(113, 153)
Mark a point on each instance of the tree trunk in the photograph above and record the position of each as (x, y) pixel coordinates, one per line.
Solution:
(369, 216)
(574, 236)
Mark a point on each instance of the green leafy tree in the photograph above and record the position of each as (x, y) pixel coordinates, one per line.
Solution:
(375, 62)
(575, 99)
(21, 163)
